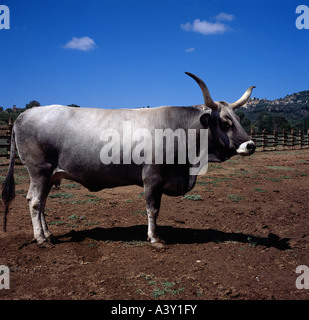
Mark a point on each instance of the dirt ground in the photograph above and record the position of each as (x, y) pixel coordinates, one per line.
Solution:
(239, 234)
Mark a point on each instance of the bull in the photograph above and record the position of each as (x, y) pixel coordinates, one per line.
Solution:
(56, 142)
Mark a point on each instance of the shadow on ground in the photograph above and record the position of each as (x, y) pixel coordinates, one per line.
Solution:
(172, 235)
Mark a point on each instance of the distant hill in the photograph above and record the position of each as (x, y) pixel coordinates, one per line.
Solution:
(294, 108)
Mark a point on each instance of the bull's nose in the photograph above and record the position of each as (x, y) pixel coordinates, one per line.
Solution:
(246, 148)
(251, 147)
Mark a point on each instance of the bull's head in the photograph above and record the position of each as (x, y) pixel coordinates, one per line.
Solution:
(227, 136)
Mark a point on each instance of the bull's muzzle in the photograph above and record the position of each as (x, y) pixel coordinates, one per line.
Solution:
(247, 148)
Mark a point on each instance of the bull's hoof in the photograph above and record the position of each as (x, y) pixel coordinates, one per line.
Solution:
(45, 244)
(158, 245)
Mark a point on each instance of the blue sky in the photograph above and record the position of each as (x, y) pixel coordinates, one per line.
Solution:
(117, 53)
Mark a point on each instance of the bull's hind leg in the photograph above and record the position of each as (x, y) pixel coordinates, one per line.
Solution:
(36, 197)
(153, 200)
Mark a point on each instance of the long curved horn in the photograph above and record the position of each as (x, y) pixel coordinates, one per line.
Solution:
(243, 100)
(207, 98)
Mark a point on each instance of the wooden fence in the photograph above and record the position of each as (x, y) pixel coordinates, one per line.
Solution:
(5, 139)
(265, 141)
(285, 140)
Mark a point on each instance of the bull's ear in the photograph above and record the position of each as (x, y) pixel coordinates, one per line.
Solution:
(204, 119)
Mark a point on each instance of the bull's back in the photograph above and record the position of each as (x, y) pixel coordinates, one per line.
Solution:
(68, 139)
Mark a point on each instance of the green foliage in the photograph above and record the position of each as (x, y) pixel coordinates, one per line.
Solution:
(63, 195)
(9, 112)
(193, 197)
(285, 113)
(244, 120)
(235, 197)
(32, 104)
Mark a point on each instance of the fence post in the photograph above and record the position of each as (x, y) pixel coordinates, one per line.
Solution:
(9, 133)
(274, 139)
(263, 139)
(292, 138)
(300, 138)
(10, 126)
(251, 133)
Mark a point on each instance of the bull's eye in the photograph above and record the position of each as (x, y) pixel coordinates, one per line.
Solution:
(226, 125)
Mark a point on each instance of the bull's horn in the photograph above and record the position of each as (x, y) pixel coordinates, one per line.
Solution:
(207, 98)
(243, 100)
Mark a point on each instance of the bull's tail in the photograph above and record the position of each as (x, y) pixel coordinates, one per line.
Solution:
(8, 186)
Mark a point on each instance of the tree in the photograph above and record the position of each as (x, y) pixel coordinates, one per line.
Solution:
(264, 120)
(73, 105)
(244, 121)
(280, 122)
(303, 125)
(270, 122)
(246, 124)
(32, 104)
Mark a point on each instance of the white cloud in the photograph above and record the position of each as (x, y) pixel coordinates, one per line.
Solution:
(205, 27)
(82, 43)
(222, 16)
(190, 50)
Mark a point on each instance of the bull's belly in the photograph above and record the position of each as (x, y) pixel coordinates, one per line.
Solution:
(95, 181)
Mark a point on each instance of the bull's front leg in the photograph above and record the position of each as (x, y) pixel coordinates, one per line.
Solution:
(153, 200)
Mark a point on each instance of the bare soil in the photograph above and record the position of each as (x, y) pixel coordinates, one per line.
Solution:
(240, 234)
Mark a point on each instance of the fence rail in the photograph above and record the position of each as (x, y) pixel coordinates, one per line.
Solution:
(285, 140)
(265, 141)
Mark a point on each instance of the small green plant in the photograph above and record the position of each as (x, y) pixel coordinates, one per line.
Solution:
(203, 183)
(146, 276)
(56, 223)
(279, 168)
(273, 179)
(76, 217)
(161, 288)
(93, 245)
(158, 292)
(193, 197)
(69, 186)
(22, 192)
(63, 195)
(140, 212)
(260, 190)
(252, 243)
(235, 197)
(141, 195)
(167, 288)
(91, 223)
